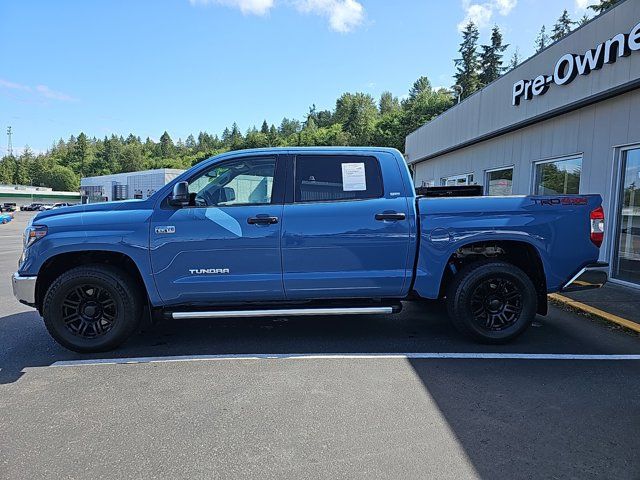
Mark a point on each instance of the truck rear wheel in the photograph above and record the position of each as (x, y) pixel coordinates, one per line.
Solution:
(492, 301)
(91, 308)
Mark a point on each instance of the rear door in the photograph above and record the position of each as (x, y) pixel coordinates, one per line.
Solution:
(225, 246)
(345, 232)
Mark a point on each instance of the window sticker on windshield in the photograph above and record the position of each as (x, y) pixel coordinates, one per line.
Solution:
(353, 177)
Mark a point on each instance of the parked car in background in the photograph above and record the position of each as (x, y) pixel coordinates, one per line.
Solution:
(305, 231)
(5, 217)
(8, 207)
(45, 206)
(61, 204)
(31, 207)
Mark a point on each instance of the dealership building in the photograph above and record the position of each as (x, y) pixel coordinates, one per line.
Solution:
(125, 186)
(564, 121)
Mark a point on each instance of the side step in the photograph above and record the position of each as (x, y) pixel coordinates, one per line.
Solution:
(285, 312)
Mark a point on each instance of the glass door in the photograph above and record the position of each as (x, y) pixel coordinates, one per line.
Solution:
(627, 261)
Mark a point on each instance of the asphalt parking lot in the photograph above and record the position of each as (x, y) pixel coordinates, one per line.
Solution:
(337, 399)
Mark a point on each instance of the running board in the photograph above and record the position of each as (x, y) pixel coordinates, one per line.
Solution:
(284, 312)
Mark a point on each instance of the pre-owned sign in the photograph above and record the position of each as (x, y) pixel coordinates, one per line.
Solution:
(569, 66)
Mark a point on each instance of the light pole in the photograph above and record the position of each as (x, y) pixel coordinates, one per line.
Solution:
(458, 91)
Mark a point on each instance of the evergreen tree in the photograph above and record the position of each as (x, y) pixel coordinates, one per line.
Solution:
(562, 27)
(236, 137)
(584, 19)
(467, 65)
(542, 40)
(265, 128)
(166, 145)
(422, 84)
(604, 5)
(82, 156)
(388, 103)
(515, 59)
(491, 58)
(190, 142)
(289, 127)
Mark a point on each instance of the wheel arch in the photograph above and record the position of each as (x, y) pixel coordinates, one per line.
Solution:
(519, 253)
(58, 264)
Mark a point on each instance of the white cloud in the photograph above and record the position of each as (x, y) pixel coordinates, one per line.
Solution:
(14, 86)
(482, 13)
(583, 4)
(505, 6)
(254, 7)
(39, 91)
(53, 95)
(343, 15)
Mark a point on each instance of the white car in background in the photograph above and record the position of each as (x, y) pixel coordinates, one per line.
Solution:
(46, 206)
(60, 205)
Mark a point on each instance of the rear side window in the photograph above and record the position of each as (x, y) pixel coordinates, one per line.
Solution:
(322, 178)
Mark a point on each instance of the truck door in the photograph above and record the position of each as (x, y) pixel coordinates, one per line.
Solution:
(225, 246)
(345, 232)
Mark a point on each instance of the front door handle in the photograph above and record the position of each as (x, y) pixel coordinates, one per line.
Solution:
(390, 216)
(262, 220)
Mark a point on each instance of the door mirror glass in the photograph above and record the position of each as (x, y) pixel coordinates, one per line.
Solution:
(180, 197)
(228, 194)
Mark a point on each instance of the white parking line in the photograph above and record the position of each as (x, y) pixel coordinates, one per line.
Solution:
(348, 356)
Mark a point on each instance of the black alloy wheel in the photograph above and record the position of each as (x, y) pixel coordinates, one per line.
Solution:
(496, 303)
(89, 311)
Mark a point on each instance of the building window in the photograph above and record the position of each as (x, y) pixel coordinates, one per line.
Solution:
(558, 176)
(457, 180)
(627, 262)
(499, 182)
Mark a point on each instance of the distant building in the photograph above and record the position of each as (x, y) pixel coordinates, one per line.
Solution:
(23, 195)
(125, 186)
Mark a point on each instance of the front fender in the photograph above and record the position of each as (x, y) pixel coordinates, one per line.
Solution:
(123, 232)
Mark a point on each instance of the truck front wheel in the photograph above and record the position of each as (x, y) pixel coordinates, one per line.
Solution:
(91, 308)
(491, 301)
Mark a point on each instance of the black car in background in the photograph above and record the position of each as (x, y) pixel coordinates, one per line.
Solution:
(31, 207)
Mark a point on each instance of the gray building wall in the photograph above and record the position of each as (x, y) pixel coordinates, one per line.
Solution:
(143, 184)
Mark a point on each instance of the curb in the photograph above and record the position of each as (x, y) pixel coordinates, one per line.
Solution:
(596, 312)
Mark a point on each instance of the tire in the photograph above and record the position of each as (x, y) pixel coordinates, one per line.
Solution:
(92, 308)
(492, 301)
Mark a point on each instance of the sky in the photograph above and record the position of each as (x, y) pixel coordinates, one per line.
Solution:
(145, 66)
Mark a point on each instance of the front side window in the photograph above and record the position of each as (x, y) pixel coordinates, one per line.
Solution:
(245, 181)
(321, 178)
(558, 177)
(500, 182)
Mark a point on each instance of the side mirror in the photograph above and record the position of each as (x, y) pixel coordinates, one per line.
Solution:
(228, 194)
(180, 197)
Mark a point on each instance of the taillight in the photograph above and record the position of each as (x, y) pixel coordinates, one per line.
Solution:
(597, 226)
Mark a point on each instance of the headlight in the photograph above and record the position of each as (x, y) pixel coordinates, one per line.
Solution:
(33, 233)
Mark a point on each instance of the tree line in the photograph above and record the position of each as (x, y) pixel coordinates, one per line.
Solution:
(357, 119)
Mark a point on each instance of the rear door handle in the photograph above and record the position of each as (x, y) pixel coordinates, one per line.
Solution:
(262, 220)
(390, 216)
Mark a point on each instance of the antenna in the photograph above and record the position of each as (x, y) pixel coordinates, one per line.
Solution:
(9, 145)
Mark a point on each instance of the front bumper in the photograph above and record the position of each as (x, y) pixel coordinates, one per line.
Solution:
(24, 289)
(592, 276)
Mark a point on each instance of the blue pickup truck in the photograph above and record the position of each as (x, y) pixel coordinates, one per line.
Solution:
(304, 231)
